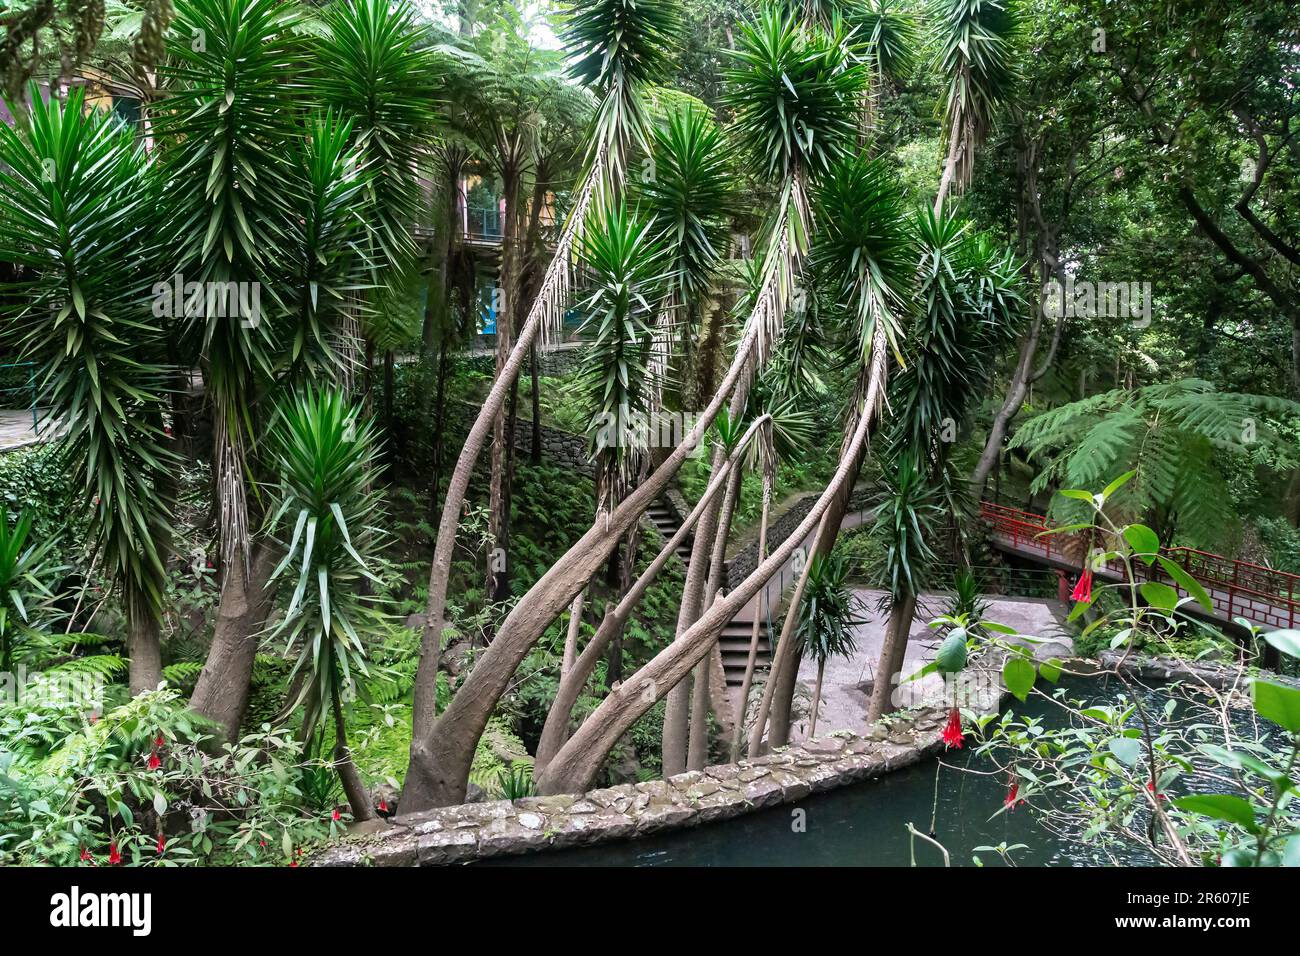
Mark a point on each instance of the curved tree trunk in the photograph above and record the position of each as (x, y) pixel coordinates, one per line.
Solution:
(221, 693)
(442, 750)
(701, 696)
(420, 784)
(577, 763)
(555, 732)
(778, 695)
(750, 662)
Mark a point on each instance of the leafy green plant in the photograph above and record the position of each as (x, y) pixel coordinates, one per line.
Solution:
(324, 453)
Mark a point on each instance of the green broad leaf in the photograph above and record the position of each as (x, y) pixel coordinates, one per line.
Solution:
(286, 844)
(1159, 595)
(1121, 638)
(1278, 703)
(1078, 495)
(1126, 749)
(1019, 675)
(951, 656)
(1050, 670)
(1117, 484)
(1143, 541)
(1286, 641)
(1221, 806)
(159, 803)
(1239, 760)
(1186, 582)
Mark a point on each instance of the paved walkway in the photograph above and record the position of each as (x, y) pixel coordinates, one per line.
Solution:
(16, 429)
(846, 687)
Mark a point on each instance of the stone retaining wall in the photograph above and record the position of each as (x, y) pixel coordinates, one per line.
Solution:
(745, 560)
(558, 447)
(475, 831)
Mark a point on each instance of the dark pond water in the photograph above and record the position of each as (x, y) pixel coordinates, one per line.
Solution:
(866, 824)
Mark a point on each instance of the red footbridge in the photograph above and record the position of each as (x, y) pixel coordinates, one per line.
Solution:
(1238, 589)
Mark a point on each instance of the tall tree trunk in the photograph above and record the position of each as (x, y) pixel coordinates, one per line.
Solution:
(498, 576)
(698, 749)
(676, 728)
(144, 649)
(751, 661)
(221, 694)
(357, 794)
(778, 695)
(439, 426)
(577, 763)
(892, 654)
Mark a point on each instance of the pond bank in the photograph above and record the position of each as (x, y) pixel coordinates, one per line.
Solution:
(503, 827)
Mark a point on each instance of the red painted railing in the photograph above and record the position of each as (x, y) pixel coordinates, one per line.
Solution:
(1264, 596)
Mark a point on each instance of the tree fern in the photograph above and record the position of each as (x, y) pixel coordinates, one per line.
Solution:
(1177, 436)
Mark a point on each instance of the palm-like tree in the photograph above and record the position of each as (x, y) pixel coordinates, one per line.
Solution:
(827, 616)
(909, 514)
(623, 258)
(226, 140)
(794, 91)
(327, 268)
(890, 36)
(689, 195)
(974, 40)
(863, 263)
(327, 514)
(375, 69)
(78, 213)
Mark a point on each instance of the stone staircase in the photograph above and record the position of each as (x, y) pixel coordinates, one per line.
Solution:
(734, 640)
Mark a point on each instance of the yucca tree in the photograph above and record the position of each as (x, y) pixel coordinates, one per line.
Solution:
(975, 42)
(374, 67)
(829, 612)
(909, 515)
(328, 267)
(327, 516)
(890, 35)
(78, 214)
(616, 47)
(25, 588)
(863, 262)
(690, 194)
(623, 258)
(968, 310)
(226, 134)
(794, 91)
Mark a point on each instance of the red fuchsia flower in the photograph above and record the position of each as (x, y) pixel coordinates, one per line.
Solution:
(952, 735)
(114, 858)
(86, 857)
(336, 816)
(1151, 788)
(1013, 795)
(383, 806)
(158, 742)
(154, 760)
(293, 863)
(162, 844)
(1083, 590)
